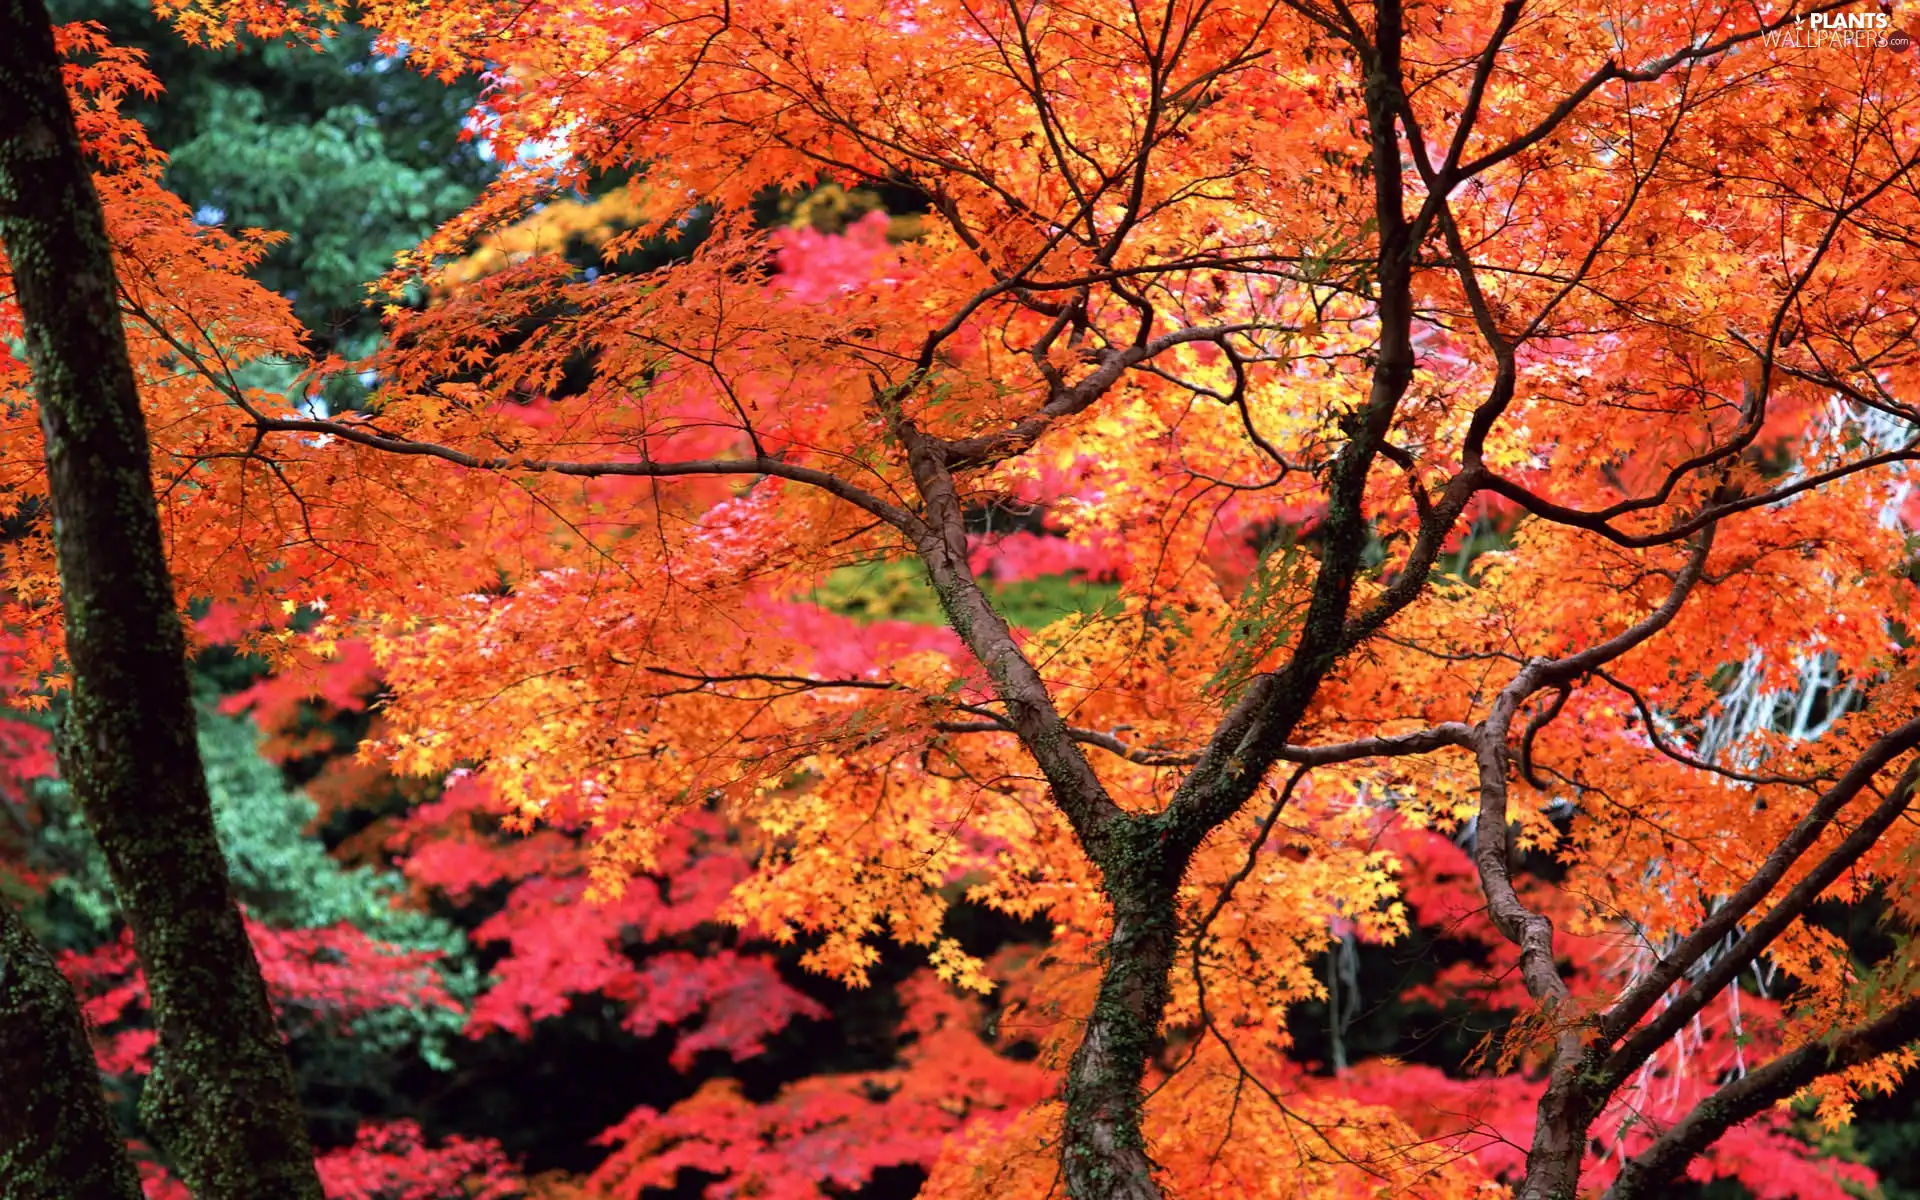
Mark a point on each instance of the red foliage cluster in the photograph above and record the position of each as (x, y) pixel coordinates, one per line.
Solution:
(327, 977)
(392, 1161)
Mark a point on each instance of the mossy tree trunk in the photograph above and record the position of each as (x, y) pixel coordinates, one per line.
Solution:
(221, 1099)
(57, 1141)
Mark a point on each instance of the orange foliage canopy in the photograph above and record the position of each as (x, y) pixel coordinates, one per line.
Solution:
(1269, 307)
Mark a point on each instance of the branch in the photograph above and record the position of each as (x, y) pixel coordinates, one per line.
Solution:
(1031, 714)
(1649, 1172)
(761, 464)
(1423, 741)
(1700, 764)
(796, 682)
(1143, 756)
(1628, 1010)
(1255, 731)
(964, 453)
(1530, 931)
(1753, 410)
(1612, 71)
(1563, 515)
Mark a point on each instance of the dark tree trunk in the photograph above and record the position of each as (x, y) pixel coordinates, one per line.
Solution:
(221, 1100)
(56, 1140)
(1104, 1150)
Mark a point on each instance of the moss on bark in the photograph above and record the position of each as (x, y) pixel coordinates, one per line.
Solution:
(57, 1141)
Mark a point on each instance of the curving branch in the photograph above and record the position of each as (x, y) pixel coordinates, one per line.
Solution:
(360, 435)
(984, 450)
(1752, 778)
(1559, 1141)
(1562, 514)
(1753, 408)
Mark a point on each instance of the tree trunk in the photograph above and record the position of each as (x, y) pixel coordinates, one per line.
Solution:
(56, 1140)
(1104, 1154)
(1559, 1136)
(221, 1099)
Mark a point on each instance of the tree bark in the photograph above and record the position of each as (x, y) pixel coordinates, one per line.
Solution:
(57, 1141)
(1104, 1152)
(221, 1100)
(1559, 1146)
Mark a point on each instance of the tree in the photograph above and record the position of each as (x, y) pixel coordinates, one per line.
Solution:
(1354, 290)
(58, 1137)
(222, 1095)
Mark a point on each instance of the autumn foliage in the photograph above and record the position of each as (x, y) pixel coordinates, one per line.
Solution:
(1464, 411)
